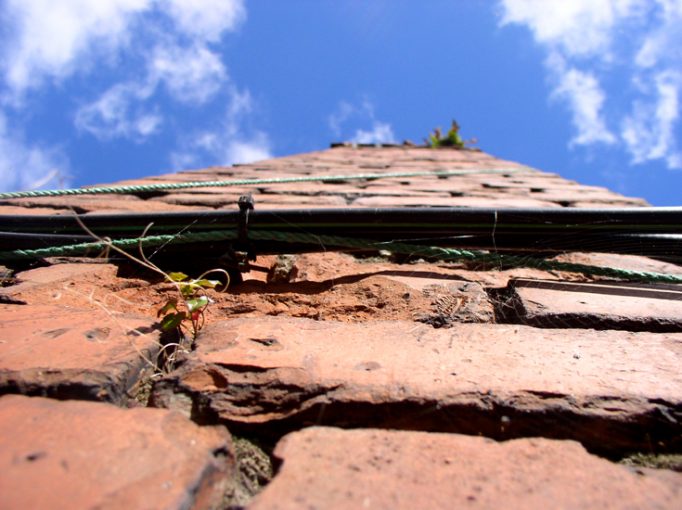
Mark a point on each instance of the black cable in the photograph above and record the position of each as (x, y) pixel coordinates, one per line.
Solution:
(641, 231)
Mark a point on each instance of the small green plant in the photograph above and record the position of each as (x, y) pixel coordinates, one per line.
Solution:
(186, 312)
(451, 139)
(183, 312)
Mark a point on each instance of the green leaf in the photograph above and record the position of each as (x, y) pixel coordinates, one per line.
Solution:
(454, 139)
(172, 320)
(207, 284)
(177, 276)
(197, 303)
(171, 304)
(187, 289)
(434, 140)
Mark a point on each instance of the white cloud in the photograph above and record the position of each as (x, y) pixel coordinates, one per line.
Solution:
(192, 75)
(24, 166)
(226, 144)
(584, 95)
(649, 130)
(589, 43)
(115, 114)
(380, 133)
(56, 38)
(248, 151)
(207, 19)
(576, 27)
(218, 149)
(147, 124)
(343, 112)
(662, 44)
(51, 37)
(149, 56)
(359, 116)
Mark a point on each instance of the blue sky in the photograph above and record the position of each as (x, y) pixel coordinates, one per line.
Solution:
(99, 91)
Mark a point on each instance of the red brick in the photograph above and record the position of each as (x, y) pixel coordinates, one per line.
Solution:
(332, 468)
(91, 455)
(43, 211)
(602, 305)
(612, 390)
(99, 203)
(615, 202)
(633, 262)
(73, 353)
(60, 273)
(450, 201)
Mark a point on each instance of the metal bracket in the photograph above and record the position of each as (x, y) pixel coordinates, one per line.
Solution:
(244, 246)
(242, 251)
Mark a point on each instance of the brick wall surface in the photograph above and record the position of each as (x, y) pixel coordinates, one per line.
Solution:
(373, 381)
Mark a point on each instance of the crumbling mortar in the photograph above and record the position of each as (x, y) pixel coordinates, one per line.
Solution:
(480, 413)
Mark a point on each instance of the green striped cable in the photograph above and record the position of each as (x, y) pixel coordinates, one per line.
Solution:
(337, 242)
(143, 188)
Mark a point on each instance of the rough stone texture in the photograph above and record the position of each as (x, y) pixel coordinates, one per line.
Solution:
(613, 305)
(487, 201)
(332, 468)
(457, 302)
(612, 390)
(92, 455)
(56, 280)
(22, 209)
(73, 353)
(366, 360)
(91, 203)
(519, 186)
(326, 286)
(633, 262)
(283, 269)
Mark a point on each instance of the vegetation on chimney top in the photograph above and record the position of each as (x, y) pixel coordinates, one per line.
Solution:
(451, 139)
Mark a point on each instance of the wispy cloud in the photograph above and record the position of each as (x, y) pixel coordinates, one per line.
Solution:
(358, 117)
(589, 42)
(118, 113)
(145, 54)
(206, 19)
(192, 75)
(227, 142)
(649, 131)
(584, 95)
(28, 166)
(213, 148)
(54, 39)
(381, 132)
(182, 62)
(578, 28)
